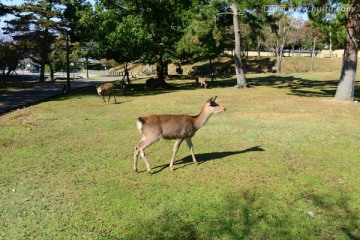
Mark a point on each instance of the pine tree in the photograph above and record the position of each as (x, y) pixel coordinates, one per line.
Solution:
(35, 23)
(346, 86)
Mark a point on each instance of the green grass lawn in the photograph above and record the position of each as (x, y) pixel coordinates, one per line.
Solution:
(282, 162)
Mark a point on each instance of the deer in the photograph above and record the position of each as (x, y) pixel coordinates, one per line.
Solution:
(201, 81)
(153, 83)
(167, 126)
(107, 88)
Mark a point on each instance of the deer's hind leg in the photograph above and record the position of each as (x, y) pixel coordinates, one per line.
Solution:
(103, 99)
(139, 148)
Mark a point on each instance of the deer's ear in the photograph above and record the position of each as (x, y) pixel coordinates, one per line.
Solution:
(211, 100)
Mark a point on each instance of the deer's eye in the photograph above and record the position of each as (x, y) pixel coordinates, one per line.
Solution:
(213, 104)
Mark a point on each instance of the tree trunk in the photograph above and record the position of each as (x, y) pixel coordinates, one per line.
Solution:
(160, 68)
(42, 73)
(166, 69)
(126, 74)
(240, 76)
(279, 59)
(346, 86)
(313, 56)
(51, 73)
(211, 70)
(87, 66)
(331, 51)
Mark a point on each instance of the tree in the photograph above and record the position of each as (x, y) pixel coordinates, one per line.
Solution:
(340, 26)
(162, 21)
(10, 54)
(296, 34)
(312, 35)
(5, 10)
(78, 17)
(277, 36)
(202, 39)
(128, 41)
(240, 76)
(346, 86)
(35, 22)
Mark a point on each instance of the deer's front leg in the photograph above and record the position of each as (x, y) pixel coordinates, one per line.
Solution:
(176, 147)
(190, 145)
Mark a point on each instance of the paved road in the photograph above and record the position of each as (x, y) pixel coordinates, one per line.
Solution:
(14, 99)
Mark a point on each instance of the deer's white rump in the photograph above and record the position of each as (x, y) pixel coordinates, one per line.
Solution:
(179, 127)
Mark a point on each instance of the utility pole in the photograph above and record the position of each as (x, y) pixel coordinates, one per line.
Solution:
(67, 63)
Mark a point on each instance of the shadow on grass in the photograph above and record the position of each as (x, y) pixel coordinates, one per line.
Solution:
(253, 213)
(138, 89)
(298, 86)
(337, 207)
(250, 65)
(205, 157)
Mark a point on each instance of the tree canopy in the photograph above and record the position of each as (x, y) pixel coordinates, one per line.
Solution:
(161, 32)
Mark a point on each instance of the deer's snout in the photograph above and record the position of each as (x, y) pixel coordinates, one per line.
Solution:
(221, 109)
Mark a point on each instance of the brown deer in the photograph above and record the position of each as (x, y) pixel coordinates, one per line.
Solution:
(179, 127)
(107, 88)
(201, 81)
(154, 83)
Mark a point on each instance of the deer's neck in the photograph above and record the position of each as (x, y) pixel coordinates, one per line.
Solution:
(201, 118)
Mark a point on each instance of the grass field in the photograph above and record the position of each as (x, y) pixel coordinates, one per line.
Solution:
(281, 163)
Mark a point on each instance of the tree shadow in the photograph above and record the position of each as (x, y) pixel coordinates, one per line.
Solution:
(336, 207)
(251, 213)
(205, 157)
(298, 86)
(259, 65)
(226, 67)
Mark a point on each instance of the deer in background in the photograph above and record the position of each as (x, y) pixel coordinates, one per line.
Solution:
(179, 127)
(107, 88)
(201, 81)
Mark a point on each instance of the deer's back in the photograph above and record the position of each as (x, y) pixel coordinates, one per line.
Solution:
(168, 126)
(105, 88)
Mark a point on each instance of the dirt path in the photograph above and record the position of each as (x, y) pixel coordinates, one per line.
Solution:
(14, 99)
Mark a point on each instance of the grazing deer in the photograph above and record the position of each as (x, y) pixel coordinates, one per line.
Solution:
(154, 83)
(107, 88)
(201, 81)
(179, 127)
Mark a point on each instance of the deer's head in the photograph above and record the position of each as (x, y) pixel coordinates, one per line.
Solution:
(212, 107)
